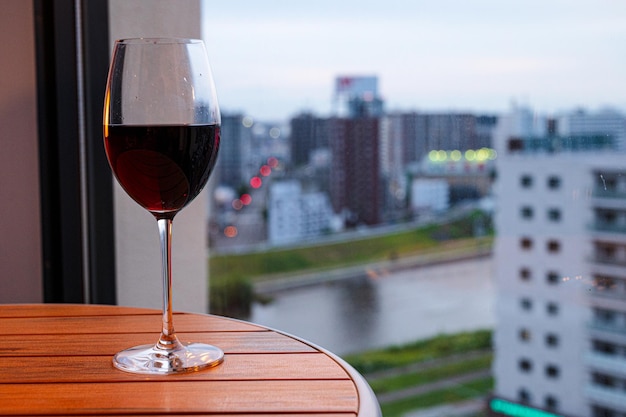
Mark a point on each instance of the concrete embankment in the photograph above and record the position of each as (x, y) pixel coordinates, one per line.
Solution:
(267, 285)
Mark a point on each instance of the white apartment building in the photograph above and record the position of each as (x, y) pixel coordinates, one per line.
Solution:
(606, 356)
(294, 215)
(430, 195)
(560, 270)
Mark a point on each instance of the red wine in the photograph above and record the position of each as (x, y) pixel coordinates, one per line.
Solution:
(162, 168)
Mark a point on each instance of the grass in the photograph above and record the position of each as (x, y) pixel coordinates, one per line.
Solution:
(437, 347)
(318, 257)
(425, 376)
(403, 362)
(476, 388)
(281, 261)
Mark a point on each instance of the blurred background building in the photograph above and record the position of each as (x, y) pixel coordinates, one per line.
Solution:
(560, 305)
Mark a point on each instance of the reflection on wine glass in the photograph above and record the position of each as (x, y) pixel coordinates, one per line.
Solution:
(162, 135)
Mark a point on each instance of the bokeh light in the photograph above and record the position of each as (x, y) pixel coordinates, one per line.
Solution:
(482, 154)
(274, 133)
(256, 182)
(247, 121)
(230, 231)
(237, 204)
(265, 170)
(246, 199)
(272, 162)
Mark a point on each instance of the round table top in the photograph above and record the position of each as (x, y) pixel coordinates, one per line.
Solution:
(55, 359)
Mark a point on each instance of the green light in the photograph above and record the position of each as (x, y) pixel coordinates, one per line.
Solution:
(492, 154)
(517, 410)
(470, 154)
(433, 155)
(482, 154)
(443, 155)
(455, 155)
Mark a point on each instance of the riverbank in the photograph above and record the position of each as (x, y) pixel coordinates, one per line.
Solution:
(237, 280)
(447, 252)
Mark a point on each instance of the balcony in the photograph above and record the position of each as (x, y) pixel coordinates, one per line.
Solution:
(608, 293)
(607, 396)
(608, 231)
(613, 261)
(608, 226)
(610, 328)
(614, 364)
(600, 192)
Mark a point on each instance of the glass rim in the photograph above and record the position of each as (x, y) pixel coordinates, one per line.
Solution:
(158, 40)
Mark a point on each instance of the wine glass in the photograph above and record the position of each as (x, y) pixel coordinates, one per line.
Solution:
(161, 135)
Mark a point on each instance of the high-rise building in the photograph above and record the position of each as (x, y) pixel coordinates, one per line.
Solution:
(357, 96)
(419, 133)
(355, 170)
(236, 135)
(308, 133)
(560, 338)
(606, 122)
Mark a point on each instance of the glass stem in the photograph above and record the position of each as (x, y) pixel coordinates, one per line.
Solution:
(168, 339)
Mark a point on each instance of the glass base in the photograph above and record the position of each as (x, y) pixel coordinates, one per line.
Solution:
(153, 360)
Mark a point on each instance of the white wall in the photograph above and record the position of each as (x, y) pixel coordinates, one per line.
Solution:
(137, 241)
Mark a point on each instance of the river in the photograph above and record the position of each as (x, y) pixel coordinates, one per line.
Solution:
(380, 310)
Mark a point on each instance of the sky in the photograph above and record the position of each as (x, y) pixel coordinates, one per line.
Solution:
(272, 59)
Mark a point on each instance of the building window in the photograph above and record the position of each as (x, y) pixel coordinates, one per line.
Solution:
(552, 308)
(525, 365)
(553, 246)
(604, 283)
(604, 380)
(606, 217)
(604, 316)
(552, 340)
(524, 335)
(526, 212)
(606, 252)
(524, 274)
(515, 144)
(552, 371)
(552, 277)
(526, 304)
(603, 412)
(554, 182)
(526, 181)
(523, 396)
(554, 214)
(605, 348)
(551, 403)
(526, 243)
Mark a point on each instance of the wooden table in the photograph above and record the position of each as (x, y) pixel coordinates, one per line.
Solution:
(56, 360)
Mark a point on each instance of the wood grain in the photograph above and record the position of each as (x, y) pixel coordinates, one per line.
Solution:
(56, 360)
(258, 366)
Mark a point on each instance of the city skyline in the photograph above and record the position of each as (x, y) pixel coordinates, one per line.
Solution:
(277, 59)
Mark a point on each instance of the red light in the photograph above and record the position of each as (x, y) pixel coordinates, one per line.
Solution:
(256, 182)
(246, 199)
(230, 231)
(265, 170)
(272, 162)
